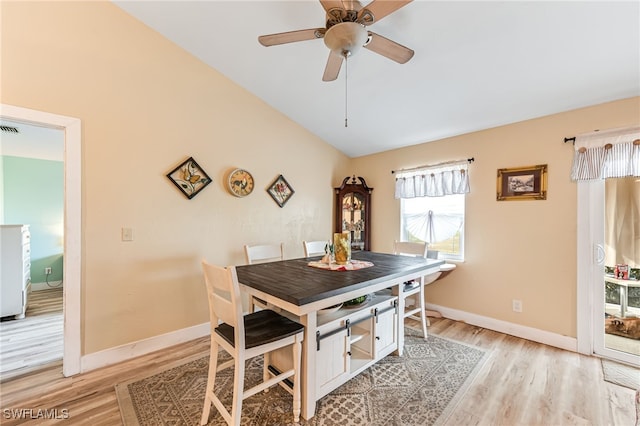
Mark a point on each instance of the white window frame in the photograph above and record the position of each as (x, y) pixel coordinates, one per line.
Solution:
(442, 255)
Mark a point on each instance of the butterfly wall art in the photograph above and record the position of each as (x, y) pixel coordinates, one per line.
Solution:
(189, 177)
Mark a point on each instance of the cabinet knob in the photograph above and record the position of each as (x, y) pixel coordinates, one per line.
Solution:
(349, 353)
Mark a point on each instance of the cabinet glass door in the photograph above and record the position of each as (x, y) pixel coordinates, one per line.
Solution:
(353, 215)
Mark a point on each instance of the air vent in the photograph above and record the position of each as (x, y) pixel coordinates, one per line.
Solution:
(9, 129)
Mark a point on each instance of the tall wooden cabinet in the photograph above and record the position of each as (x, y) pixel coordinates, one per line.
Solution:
(353, 211)
(15, 275)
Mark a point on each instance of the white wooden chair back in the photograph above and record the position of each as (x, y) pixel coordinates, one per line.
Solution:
(264, 253)
(314, 248)
(410, 293)
(410, 249)
(268, 332)
(225, 304)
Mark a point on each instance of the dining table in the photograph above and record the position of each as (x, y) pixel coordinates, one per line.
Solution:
(302, 290)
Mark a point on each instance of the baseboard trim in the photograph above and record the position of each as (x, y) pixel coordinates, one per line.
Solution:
(517, 330)
(45, 286)
(141, 347)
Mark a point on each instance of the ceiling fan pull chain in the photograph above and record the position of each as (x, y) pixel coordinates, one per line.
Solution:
(346, 77)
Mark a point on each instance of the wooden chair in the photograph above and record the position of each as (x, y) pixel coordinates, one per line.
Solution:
(413, 289)
(314, 248)
(245, 337)
(262, 254)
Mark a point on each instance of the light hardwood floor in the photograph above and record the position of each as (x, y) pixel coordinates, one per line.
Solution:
(522, 383)
(37, 339)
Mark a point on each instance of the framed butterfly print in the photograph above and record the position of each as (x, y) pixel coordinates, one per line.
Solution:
(189, 177)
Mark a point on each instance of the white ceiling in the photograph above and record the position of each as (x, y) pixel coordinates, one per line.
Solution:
(31, 141)
(477, 64)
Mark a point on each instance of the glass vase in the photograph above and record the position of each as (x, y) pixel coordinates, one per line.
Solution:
(342, 247)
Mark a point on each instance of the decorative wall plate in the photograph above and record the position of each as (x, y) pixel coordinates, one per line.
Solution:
(240, 183)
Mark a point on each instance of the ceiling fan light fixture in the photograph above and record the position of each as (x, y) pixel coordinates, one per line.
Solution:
(346, 38)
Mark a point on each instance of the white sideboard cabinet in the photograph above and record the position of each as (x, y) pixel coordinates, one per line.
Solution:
(348, 341)
(351, 340)
(15, 270)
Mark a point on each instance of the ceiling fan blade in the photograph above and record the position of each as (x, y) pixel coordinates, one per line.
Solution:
(352, 5)
(331, 4)
(379, 9)
(388, 48)
(332, 69)
(291, 36)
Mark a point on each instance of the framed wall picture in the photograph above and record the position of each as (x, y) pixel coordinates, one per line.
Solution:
(189, 177)
(522, 183)
(280, 191)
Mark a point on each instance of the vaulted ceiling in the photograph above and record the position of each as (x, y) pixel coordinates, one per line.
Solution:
(477, 64)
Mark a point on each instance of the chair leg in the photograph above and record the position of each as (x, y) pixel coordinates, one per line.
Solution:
(211, 380)
(423, 313)
(238, 390)
(297, 351)
(265, 368)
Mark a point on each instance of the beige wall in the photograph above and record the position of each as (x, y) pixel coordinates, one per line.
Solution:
(145, 106)
(514, 249)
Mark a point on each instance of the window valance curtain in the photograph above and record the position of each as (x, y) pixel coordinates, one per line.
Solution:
(607, 154)
(433, 181)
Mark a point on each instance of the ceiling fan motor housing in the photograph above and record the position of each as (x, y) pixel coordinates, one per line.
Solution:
(346, 38)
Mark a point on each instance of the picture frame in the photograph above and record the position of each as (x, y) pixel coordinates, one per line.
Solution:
(189, 178)
(522, 183)
(280, 191)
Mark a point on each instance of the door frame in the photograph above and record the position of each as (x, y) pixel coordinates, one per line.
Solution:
(590, 274)
(72, 262)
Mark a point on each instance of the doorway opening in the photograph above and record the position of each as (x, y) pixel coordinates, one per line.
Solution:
(72, 231)
(592, 281)
(32, 217)
(621, 266)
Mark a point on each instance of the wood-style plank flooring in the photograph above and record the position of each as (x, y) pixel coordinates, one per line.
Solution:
(521, 383)
(37, 339)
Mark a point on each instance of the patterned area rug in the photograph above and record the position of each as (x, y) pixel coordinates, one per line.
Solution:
(420, 388)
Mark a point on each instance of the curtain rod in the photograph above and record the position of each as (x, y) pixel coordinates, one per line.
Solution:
(629, 129)
(572, 139)
(468, 160)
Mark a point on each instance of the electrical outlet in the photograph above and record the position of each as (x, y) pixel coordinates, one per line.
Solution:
(517, 305)
(47, 271)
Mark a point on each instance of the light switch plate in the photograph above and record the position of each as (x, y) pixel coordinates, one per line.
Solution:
(127, 234)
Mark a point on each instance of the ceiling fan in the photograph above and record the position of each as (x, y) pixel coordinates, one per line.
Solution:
(346, 32)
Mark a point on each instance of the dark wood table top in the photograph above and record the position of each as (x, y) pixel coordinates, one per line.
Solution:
(296, 282)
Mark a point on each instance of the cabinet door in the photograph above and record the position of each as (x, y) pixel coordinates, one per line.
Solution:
(332, 364)
(386, 331)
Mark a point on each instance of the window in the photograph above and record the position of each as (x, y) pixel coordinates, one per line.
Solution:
(437, 220)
